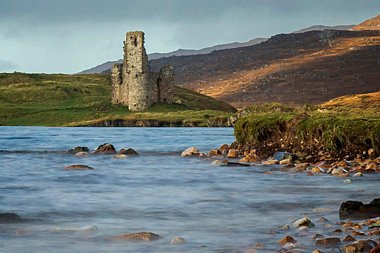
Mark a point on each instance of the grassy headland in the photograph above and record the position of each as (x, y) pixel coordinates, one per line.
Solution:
(345, 126)
(72, 100)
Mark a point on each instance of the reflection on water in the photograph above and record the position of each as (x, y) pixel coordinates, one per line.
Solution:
(217, 209)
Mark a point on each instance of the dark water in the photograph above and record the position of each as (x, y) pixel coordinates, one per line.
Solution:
(216, 209)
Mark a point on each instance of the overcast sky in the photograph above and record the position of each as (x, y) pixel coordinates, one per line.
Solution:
(68, 36)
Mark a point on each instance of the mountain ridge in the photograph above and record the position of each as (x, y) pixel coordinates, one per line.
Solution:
(105, 67)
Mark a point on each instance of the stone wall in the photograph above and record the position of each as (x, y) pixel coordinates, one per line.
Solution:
(165, 85)
(117, 82)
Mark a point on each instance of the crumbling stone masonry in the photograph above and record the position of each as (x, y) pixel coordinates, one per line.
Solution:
(133, 84)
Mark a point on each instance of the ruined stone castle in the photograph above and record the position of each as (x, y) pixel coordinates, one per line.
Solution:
(133, 84)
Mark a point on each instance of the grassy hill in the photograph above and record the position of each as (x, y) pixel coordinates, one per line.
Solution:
(61, 100)
(346, 125)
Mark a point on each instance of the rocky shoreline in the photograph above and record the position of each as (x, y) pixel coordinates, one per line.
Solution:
(359, 228)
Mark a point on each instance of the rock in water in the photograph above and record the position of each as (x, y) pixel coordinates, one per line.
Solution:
(81, 154)
(303, 222)
(233, 153)
(106, 149)
(359, 211)
(120, 156)
(142, 236)
(177, 241)
(78, 149)
(360, 246)
(224, 147)
(78, 167)
(83, 230)
(328, 242)
(9, 218)
(128, 151)
(193, 151)
(214, 152)
(287, 239)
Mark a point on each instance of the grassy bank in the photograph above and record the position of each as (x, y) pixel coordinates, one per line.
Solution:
(336, 129)
(70, 100)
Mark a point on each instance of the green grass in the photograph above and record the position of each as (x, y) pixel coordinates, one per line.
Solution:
(61, 100)
(332, 129)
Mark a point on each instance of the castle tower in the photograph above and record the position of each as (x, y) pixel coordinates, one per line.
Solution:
(136, 72)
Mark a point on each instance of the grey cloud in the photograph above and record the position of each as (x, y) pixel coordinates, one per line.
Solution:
(56, 11)
(70, 35)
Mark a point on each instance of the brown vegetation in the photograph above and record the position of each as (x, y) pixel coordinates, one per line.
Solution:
(311, 67)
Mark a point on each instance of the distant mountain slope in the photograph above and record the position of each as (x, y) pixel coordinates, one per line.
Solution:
(311, 67)
(371, 24)
(207, 50)
(325, 27)
(104, 67)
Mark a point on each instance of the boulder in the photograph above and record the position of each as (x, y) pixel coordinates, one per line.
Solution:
(128, 152)
(348, 238)
(233, 153)
(287, 239)
(224, 147)
(270, 162)
(303, 222)
(328, 242)
(106, 149)
(193, 151)
(177, 241)
(371, 153)
(141, 236)
(284, 155)
(78, 167)
(77, 150)
(250, 159)
(215, 152)
(360, 246)
(6, 218)
(286, 161)
(356, 210)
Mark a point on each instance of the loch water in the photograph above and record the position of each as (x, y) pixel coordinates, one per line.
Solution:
(216, 209)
